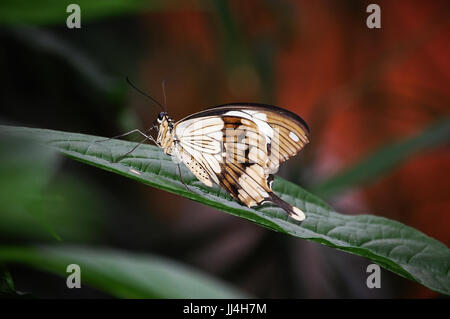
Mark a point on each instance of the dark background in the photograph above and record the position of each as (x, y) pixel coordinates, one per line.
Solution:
(358, 88)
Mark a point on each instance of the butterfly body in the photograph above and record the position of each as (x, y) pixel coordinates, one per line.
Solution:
(237, 146)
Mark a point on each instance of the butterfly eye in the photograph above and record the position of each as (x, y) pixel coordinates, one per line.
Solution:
(160, 117)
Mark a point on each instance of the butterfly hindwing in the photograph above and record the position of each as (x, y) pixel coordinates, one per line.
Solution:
(195, 167)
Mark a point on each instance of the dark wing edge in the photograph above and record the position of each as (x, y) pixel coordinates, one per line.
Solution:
(221, 109)
(250, 191)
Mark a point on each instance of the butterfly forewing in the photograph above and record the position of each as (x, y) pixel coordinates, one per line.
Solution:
(239, 147)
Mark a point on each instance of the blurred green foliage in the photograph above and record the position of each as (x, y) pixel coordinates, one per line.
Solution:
(46, 12)
(35, 205)
(123, 275)
(6, 283)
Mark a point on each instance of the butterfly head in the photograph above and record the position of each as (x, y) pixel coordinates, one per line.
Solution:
(164, 125)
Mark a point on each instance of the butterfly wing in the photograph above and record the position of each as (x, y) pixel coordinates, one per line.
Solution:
(196, 167)
(240, 146)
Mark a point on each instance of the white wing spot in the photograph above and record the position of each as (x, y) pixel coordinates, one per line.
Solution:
(298, 214)
(259, 118)
(294, 137)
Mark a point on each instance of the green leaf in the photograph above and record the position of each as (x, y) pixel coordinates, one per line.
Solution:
(385, 159)
(54, 11)
(123, 275)
(396, 247)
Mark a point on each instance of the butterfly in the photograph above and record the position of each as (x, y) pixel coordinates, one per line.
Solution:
(237, 146)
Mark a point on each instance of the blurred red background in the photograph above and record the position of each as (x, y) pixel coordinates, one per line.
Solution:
(358, 89)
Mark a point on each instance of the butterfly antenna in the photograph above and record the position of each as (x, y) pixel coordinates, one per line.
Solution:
(145, 94)
(163, 84)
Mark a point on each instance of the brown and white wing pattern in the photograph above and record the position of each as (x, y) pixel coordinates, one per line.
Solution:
(239, 147)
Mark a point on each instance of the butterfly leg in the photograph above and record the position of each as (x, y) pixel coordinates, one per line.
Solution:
(128, 133)
(181, 178)
(121, 157)
(147, 137)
